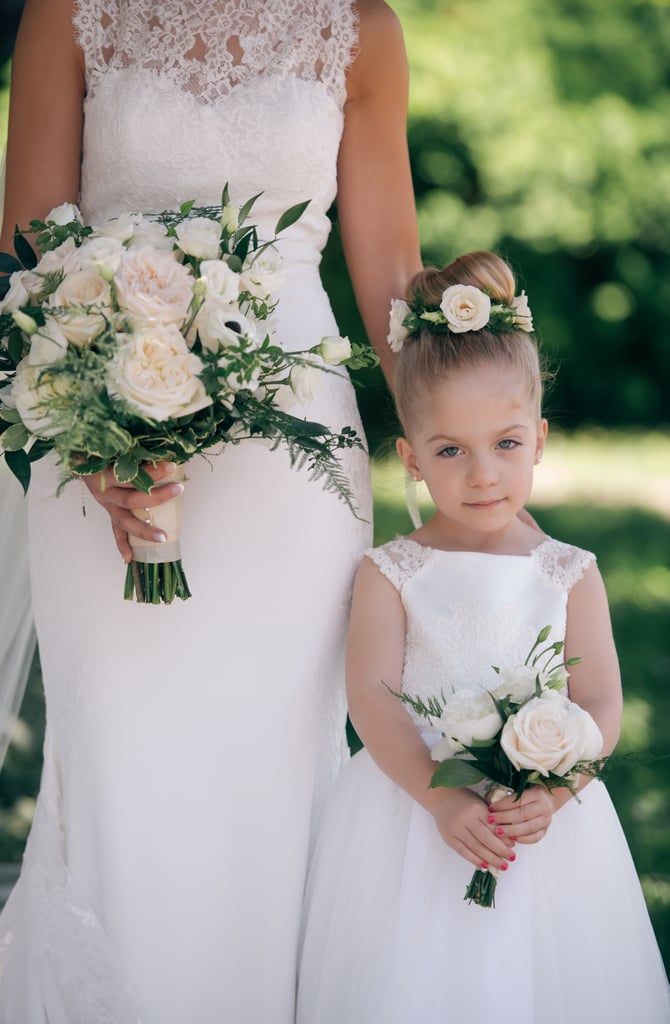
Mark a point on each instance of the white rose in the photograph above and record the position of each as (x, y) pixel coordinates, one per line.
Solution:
(64, 214)
(218, 324)
(398, 334)
(65, 257)
(523, 317)
(199, 237)
(157, 375)
(221, 282)
(149, 232)
(550, 734)
(48, 345)
(335, 350)
(32, 397)
(519, 683)
(153, 285)
(465, 307)
(103, 252)
(262, 275)
(80, 304)
(17, 295)
(468, 715)
(305, 380)
(121, 228)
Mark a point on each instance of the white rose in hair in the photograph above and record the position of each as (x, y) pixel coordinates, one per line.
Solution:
(523, 317)
(468, 715)
(305, 380)
(157, 375)
(199, 237)
(465, 307)
(221, 282)
(398, 334)
(64, 214)
(80, 304)
(335, 350)
(152, 285)
(550, 734)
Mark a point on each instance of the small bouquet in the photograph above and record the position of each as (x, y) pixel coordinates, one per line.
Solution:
(148, 339)
(525, 731)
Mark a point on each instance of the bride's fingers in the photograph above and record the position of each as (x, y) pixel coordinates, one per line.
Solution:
(122, 543)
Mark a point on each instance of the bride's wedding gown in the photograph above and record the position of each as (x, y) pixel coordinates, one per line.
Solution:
(187, 745)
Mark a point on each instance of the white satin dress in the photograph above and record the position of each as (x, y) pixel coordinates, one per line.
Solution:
(187, 746)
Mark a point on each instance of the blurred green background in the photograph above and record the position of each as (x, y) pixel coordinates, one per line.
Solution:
(540, 128)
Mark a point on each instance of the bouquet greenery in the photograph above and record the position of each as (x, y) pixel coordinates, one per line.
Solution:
(149, 338)
(525, 731)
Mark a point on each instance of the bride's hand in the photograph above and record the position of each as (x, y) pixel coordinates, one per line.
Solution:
(462, 819)
(120, 499)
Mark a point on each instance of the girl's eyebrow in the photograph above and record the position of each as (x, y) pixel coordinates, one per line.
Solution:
(498, 433)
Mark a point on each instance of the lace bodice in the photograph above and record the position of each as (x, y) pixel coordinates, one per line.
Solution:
(467, 611)
(182, 97)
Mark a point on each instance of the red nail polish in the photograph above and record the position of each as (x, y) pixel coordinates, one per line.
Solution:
(491, 819)
(513, 838)
(483, 865)
(491, 808)
(504, 866)
(511, 857)
(500, 831)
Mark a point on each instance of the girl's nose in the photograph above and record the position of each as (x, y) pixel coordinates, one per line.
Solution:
(482, 471)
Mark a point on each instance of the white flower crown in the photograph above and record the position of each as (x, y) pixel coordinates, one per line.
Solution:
(463, 308)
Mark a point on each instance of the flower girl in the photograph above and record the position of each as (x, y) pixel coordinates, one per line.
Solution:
(387, 934)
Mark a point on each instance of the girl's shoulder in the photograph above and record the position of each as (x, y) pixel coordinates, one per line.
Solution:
(561, 565)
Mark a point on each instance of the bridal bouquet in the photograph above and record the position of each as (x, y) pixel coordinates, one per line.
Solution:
(148, 339)
(525, 731)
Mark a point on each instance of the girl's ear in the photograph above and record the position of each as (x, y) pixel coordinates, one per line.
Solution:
(540, 440)
(408, 458)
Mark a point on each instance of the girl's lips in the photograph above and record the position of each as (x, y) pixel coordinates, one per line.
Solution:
(484, 504)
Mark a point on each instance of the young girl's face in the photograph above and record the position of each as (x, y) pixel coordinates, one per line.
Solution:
(475, 440)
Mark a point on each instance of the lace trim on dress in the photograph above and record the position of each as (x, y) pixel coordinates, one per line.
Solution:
(209, 49)
(561, 565)
(399, 560)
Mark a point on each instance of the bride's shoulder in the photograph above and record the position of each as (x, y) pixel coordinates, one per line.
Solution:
(381, 48)
(375, 17)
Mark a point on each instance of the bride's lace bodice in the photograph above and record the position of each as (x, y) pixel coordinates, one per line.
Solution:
(467, 611)
(184, 96)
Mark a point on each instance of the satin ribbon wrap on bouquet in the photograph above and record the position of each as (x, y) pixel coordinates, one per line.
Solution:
(155, 574)
(149, 339)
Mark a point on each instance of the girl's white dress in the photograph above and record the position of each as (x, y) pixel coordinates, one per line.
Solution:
(388, 935)
(188, 745)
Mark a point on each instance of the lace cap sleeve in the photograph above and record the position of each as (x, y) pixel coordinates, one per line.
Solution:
(399, 560)
(561, 565)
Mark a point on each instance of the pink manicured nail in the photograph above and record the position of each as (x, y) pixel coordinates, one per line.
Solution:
(491, 808)
(511, 857)
(513, 838)
(483, 865)
(500, 831)
(491, 819)
(504, 866)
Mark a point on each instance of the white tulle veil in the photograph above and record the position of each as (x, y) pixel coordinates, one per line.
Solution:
(17, 633)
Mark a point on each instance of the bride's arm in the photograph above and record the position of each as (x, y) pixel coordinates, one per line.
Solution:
(43, 161)
(375, 198)
(45, 117)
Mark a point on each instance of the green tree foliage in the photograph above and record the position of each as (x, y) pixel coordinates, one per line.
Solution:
(539, 128)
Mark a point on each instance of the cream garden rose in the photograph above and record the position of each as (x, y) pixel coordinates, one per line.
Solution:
(550, 734)
(152, 285)
(156, 374)
(34, 394)
(80, 304)
(465, 307)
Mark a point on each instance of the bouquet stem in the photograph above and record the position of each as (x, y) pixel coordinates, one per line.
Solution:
(482, 886)
(156, 575)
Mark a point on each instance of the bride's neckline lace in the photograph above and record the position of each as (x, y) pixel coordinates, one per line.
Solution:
(209, 49)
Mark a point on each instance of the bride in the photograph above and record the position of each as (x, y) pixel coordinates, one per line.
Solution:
(188, 746)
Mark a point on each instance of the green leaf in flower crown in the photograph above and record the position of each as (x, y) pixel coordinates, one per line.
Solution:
(15, 437)
(19, 464)
(186, 207)
(290, 216)
(9, 263)
(24, 250)
(455, 772)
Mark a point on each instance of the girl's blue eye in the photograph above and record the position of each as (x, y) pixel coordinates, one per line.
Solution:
(508, 444)
(450, 451)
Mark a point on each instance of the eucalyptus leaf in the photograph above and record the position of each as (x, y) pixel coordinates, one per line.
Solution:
(290, 216)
